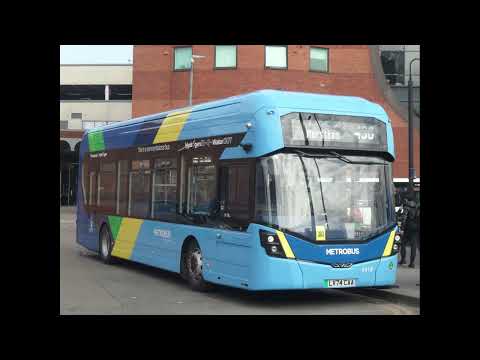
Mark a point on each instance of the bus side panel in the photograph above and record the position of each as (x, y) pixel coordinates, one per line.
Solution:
(230, 264)
(87, 229)
(159, 244)
(155, 246)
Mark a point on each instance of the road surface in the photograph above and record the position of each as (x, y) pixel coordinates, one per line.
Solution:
(88, 286)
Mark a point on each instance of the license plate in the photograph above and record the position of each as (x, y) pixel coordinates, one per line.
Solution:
(339, 283)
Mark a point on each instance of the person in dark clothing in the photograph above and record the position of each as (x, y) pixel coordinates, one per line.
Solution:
(411, 232)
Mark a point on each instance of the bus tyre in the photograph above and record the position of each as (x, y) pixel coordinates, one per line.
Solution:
(106, 246)
(193, 265)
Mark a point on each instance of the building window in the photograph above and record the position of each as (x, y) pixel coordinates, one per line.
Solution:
(276, 57)
(393, 63)
(88, 125)
(319, 59)
(76, 116)
(164, 197)
(93, 124)
(63, 124)
(182, 58)
(225, 56)
(82, 92)
(120, 92)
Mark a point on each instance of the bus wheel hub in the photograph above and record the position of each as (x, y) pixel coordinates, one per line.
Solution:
(196, 264)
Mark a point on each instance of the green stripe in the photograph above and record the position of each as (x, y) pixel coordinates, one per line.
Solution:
(95, 141)
(114, 222)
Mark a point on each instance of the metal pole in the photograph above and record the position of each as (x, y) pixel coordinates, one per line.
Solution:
(411, 168)
(191, 82)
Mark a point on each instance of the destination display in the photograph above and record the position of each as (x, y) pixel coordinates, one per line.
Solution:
(334, 131)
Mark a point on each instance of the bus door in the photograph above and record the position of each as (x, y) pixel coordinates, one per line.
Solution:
(234, 213)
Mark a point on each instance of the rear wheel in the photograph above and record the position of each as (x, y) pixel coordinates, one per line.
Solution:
(193, 267)
(106, 246)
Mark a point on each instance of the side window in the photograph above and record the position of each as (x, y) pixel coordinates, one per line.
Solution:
(122, 187)
(265, 192)
(85, 182)
(235, 194)
(139, 189)
(92, 201)
(201, 186)
(164, 196)
(107, 186)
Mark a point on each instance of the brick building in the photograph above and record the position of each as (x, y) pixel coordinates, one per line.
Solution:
(161, 79)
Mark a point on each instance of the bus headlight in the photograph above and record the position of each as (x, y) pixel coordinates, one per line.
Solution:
(396, 241)
(271, 243)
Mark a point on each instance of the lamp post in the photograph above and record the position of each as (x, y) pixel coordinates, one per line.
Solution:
(191, 76)
(411, 169)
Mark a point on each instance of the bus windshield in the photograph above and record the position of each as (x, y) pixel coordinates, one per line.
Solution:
(325, 198)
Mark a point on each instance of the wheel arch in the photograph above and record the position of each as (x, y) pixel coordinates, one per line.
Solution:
(102, 225)
(186, 242)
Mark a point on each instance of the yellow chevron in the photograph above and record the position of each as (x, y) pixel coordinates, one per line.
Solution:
(388, 247)
(126, 238)
(285, 245)
(171, 126)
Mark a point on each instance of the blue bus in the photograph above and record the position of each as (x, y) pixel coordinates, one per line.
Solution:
(267, 190)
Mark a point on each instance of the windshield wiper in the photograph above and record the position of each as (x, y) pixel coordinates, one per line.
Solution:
(312, 211)
(321, 193)
(334, 154)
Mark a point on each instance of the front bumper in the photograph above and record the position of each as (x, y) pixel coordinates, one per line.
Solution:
(283, 274)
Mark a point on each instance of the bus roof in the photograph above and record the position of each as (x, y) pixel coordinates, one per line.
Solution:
(272, 98)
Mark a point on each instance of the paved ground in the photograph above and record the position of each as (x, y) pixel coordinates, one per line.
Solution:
(87, 286)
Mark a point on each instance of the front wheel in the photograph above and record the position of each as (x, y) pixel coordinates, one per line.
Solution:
(193, 265)
(106, 246)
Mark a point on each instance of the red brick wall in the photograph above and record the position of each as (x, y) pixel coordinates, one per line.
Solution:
(156, 87)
